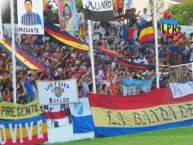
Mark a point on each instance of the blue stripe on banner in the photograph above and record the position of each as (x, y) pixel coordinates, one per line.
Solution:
(105, 131)
(167, 21)
(83, 124)
(23, 121)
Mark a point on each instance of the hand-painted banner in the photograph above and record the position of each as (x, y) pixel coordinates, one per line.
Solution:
(30, 16)
(65, 37)
(168, 27)
(12, 111)
(24, 58)
(26, 131)
(81, 116)
(181, 89)
(116, 115)
(1, 26)
(57, 115)
(68, 15)
(57, 92)
(134, 87)
(98, 10)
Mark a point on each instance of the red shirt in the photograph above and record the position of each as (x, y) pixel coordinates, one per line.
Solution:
(131, 31)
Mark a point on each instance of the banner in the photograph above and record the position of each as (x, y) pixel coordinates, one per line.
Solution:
(57, 115)
(146, 33)
(181, 89)
(65, 37)
(157, 110)
(98, 10)
(1, 26)
(27, 131)
(22, 57)
(187, 30)
(68, 15)
(134, 86)
(30, 16)
(168, 27)
(12, 111)
(57, 92)
(81, 116)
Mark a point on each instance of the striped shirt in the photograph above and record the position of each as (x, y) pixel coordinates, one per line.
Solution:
(31, 19)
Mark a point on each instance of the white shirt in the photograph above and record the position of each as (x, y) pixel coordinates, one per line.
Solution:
(128, 4)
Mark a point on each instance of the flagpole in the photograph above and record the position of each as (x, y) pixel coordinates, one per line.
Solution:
(91, 55)
(156, 43)
(13, 53)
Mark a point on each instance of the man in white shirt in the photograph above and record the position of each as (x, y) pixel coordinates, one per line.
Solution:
(144, 15)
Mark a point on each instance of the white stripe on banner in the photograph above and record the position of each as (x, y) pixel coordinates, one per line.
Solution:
(98, 5)
(1, 27)
(181, 89)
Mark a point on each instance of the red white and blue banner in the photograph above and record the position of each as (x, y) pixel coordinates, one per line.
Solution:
(157, 110)
(81, 116)
(25, 131)
(57, 115)
(30, 17)
(57, 92)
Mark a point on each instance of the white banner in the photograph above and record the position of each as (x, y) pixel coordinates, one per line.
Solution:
(98, 5)
(1, 27)
(187, 30)
(57, 92)
(181, 89)
(30, 16)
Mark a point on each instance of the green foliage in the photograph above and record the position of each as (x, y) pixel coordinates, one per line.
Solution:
(183, 12)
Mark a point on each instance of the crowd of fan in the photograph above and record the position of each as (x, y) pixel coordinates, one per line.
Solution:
(66, 62)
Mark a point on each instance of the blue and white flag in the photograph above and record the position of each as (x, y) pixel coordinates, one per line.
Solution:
(135, 87)
(81, 116)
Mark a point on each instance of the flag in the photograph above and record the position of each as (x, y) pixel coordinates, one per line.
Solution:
(98, 10)
(1, 26)
(156, 110)
(68, 15)
(135, 86)
(81, 116)
(57, 115)
(168, 27)
(30, 17)
(146, 33)
(24, 58)
(65, 37)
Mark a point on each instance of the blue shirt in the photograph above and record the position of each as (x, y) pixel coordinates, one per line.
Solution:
(31, 19)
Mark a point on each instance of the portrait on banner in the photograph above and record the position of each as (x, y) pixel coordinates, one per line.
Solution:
(68, 16)
(30, 17)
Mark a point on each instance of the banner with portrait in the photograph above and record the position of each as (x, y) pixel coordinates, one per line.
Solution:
(1, 27)
(57, 92)
(68, 16)
(30, 17)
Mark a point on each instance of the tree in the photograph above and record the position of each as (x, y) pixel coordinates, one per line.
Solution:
(183, 12)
